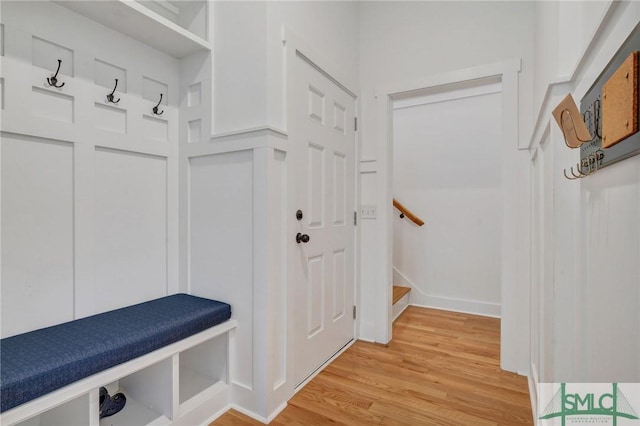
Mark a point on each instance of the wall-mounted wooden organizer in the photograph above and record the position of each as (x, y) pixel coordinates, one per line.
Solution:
(610, 108)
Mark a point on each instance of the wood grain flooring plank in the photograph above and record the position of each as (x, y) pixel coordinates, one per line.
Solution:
(441, 368)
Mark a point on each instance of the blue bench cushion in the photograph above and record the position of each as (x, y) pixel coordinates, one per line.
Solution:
(36, 363)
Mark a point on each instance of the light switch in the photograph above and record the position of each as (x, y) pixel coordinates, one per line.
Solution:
(368, 212)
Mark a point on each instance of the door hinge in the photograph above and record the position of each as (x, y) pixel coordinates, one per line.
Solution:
(354, 311)
(355, 123)
(355, 218)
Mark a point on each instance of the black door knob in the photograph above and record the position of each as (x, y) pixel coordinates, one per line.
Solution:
(302, 238)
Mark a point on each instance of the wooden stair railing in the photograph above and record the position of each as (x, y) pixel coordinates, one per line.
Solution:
(406, 212)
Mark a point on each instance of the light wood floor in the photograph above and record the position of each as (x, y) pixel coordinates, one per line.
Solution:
(441, 368)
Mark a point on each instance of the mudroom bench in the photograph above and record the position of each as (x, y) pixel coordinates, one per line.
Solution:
(169, 357)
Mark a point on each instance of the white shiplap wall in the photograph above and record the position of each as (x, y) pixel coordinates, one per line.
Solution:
(585, 295)
(89, 188)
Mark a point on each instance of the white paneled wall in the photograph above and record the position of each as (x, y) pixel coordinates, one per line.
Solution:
(130, 222)
(221, 243)
(611, 293)
(236, 220)
(37, 233)
(135, 205)
(89, 188)
(585, 293)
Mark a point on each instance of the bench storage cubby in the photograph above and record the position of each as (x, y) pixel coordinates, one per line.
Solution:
(168, 356)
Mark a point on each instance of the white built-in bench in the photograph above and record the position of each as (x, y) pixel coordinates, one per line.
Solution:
(169, 357)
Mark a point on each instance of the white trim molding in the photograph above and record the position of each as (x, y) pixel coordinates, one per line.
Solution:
(533, 390)
(417, 297)
(411, 89)
(464, 306)
(515, 252)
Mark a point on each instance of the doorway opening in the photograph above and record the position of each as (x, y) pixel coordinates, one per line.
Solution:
(447, 169)
(514, 225)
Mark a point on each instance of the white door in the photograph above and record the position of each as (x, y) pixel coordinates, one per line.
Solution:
(323, 137)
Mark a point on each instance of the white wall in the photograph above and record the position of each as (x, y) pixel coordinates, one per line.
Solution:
(563, 31)
(328, 33)
(586, 280)
(401, 42)
(240, 66)
(221, 209)
(450, 175)
(407, 41)
(249, 72)
(36, 228)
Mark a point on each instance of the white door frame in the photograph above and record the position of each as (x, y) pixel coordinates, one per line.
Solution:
(295, 46)
(512, 345)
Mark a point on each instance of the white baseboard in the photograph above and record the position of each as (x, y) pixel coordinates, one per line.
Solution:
(474, 307)
(217, 414)
(367, 331)
(249, 413)
(418, 298)
(261, 419)
(278, 410)
(275, 412)
(401, 279)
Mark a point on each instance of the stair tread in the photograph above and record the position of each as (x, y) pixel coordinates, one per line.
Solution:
(399, 292)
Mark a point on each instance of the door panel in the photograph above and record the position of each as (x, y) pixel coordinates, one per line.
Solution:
(339, 270)
(324, 178)
(315, 295)
(316, 178)
(339, 181)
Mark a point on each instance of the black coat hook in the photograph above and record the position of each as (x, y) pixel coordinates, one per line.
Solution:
(155, 108)
(53, 81)
(110, 95)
